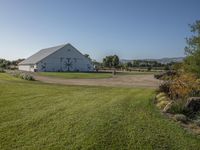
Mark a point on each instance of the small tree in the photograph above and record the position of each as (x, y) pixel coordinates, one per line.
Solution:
(111, 61)
(115, 61)
(149, 68)
(192, 50)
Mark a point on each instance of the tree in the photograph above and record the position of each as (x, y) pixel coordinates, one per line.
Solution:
(135, 63)
(149, 68)
(129, 64)
(107, 61)
(167, 67)
(115, 61)
(111, 61)
(192, 50)
(4, 64)
(88, 57)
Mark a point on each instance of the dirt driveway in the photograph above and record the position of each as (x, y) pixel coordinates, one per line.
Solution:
(119, 80)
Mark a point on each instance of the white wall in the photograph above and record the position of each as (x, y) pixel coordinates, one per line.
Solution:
(65, 59)
(26, 67)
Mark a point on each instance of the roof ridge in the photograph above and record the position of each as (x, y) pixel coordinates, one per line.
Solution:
(43, 53)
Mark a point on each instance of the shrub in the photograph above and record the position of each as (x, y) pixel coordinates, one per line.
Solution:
(22, 75)
(158, 76)
(165, 87)
(178, 107)
(26, 76)
(149, 68)
(2, 70)
(165, 75)
(183, 86)
(13, 73)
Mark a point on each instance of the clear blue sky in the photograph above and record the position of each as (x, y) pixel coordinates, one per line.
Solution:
(132, 29)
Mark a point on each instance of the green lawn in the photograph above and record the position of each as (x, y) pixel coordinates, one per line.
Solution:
(45, 116)
(136, 73)
(76, 75)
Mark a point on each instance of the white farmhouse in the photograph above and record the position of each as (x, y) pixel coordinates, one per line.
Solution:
(59, 58)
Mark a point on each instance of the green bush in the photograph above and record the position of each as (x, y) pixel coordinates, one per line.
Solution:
(2, 70)
(178, 107)
(26, 76)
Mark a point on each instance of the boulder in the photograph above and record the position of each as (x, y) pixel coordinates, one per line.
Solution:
(180, 117)
(197, 122)
(193, 104)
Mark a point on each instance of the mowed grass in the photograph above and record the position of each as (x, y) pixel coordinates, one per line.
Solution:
(76, 75)
(45, 116)
(137, 73)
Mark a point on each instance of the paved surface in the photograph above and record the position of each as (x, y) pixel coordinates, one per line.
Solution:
(122, 81)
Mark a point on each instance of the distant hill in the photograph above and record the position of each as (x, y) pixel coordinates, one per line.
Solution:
(161, 60)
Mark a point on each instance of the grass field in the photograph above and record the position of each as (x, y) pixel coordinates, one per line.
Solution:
(76, 75)
(81, 75)
(136, 73)
(45, 116)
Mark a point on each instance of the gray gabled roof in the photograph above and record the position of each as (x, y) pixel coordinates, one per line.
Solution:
(41, 55)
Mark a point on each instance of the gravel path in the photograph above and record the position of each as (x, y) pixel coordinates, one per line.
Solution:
(122, 81)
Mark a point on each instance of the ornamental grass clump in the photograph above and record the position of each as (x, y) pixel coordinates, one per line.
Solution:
(184, 86)
(178, 89)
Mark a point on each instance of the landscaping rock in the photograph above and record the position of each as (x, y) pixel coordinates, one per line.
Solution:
(197, 122)
(180, 117)
(193, 104)
(168, 107)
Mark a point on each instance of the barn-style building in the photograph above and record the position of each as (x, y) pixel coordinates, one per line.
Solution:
(57, 59)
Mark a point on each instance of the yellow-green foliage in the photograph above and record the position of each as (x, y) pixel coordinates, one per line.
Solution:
(160, 95)
(164, 98)
(183, 85)
(162, 104)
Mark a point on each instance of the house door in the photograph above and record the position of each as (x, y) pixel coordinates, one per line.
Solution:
(67, 64)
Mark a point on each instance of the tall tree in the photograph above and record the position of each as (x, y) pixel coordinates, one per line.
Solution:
(192, 50)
